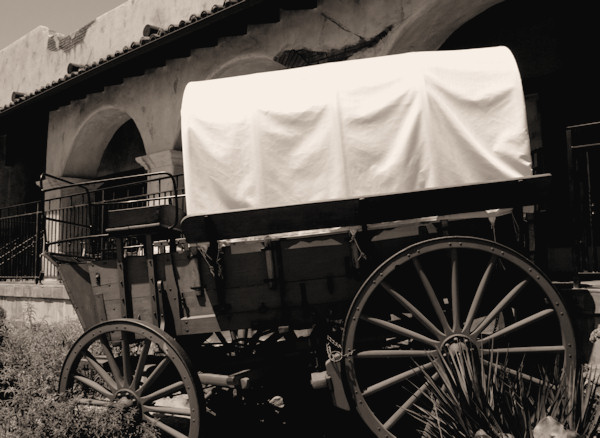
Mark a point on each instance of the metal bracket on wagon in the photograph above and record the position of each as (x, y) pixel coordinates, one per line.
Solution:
(331, 379)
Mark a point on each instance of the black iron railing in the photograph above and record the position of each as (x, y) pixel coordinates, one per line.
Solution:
(72, 218)
(20, 241)
(584, 184)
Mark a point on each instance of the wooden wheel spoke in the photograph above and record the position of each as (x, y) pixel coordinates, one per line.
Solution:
(112, 363)
(126, 359)
(155, 374)
(391, 354)
(88, 358)
(222, 338)
(521, 350)
(93, 385)
(500, 306)
(454, 291)
(165, 428)
(164, 392)
(432, 296)
(400, 330)
(518, 325)
(168, 410)
(478, 294)
(139, 369)
(390, 422)
(412, 309)
(394, 380)
(257, 335)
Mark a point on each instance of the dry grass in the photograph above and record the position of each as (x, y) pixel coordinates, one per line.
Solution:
(31, 358)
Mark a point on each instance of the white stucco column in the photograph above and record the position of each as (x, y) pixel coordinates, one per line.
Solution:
(166, 161)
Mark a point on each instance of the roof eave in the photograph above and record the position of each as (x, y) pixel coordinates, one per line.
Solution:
(134, 61)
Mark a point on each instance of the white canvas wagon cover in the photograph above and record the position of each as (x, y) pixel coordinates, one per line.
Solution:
(352, 129)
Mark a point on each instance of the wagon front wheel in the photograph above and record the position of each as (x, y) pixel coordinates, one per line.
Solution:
(138, 366)
(435, 299)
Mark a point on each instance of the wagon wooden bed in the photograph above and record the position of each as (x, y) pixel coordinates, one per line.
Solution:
(376, 287)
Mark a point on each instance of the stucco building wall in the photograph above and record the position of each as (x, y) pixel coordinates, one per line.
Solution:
(26, 302)
(108, 33)
(79, 132)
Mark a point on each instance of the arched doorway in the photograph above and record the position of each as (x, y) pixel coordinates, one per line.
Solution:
(534, 32)
(105, 144)
(119, 156)
(105, 147)
(119, 160)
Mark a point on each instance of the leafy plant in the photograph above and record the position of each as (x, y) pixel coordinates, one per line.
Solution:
(31, 358)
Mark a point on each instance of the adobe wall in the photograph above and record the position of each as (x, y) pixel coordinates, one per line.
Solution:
(77, 133)
(106, 34)
(26, 302)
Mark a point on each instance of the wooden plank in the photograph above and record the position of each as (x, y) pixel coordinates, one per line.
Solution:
(142, 218)
(125, 302)
(76, 279)
(171, 288)
(453, 200)
(155, 308)
(198, 314)
(368, 210)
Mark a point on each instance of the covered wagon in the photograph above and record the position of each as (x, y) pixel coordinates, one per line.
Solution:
(351, 210)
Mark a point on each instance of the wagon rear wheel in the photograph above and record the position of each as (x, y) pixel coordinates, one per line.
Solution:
(437, 296)
(137, 365)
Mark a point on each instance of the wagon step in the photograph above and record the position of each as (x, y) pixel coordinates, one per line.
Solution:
(239, 380)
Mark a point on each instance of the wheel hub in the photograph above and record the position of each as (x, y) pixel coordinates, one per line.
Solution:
(126, 398)
(456, 345)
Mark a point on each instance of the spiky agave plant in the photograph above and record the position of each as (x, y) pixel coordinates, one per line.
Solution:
(464, 398)
(471, 397)
(585, 413)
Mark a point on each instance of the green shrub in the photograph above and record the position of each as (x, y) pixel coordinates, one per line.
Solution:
(31, 358)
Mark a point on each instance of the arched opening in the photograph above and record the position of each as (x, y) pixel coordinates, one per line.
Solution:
(119, 156)
(118, 160)
(431, 24)
(107, 147)
(534, 31)
(106, 144)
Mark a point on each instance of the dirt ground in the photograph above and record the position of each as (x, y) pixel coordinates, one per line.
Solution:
(310, 415)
